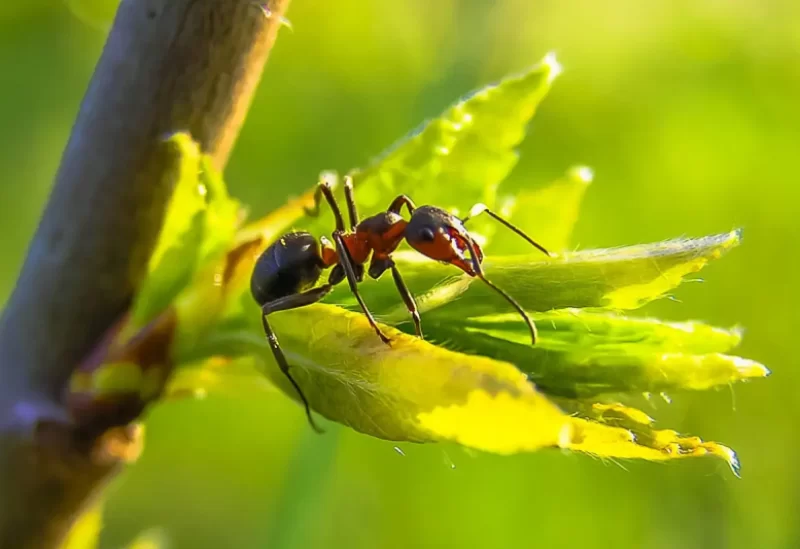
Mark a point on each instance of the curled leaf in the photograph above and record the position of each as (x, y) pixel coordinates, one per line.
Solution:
(419, 392)
(617, 278)
(637, 440)
(584, 354)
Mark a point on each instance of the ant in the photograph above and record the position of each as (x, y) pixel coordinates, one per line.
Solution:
(286, 273)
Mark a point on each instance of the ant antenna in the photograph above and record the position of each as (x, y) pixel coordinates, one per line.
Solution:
(478, 209)
(517, 306)
(476, 265)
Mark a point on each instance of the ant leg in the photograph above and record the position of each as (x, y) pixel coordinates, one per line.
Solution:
(284, 303)
(478, 209)
(295, 301)
(284, 367)
(351, 201)
(476, 265)
(313, 211)
(347, 264)
(325, 189)
(411, 305)
(398, 203)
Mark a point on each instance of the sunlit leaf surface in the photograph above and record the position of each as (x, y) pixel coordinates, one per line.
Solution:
(85, 531)
(96, 13)
(461, 157)
(619, 278)
(548, 214)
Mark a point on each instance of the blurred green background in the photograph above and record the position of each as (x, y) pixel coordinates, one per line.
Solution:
(689, 112)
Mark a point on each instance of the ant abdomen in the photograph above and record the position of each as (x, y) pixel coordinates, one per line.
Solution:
(290, 265)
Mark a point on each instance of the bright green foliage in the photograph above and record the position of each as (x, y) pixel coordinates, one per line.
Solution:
(85, 531)
(549, 213)
(98, 13)
(154, 538)
(199, 225)
(621, 278)
(587, 354)
(475, 379)
(461, 157)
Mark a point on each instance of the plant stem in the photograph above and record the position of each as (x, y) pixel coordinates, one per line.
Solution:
(168, 65)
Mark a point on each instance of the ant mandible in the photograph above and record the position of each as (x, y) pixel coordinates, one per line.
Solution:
(286, 273)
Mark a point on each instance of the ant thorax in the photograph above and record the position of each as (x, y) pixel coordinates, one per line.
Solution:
(380, 234)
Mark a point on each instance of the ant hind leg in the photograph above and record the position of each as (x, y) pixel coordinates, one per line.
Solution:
(350, 200)
(293, 301)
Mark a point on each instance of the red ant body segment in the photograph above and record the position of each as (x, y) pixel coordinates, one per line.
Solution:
(286, 273)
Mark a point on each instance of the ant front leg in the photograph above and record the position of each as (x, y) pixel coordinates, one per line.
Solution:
(398, 203)
(352, 279)
(325, 189)
(377, 267)
(293, 301)
(350, 200)
(408, 299)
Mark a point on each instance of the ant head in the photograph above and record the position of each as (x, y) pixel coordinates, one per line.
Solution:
(438, 235)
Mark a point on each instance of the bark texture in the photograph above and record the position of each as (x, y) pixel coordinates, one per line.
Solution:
(167, 66)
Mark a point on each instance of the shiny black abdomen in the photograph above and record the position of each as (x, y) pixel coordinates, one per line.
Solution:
(290, 265)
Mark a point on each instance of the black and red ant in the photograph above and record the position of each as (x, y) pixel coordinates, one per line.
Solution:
(286, 273)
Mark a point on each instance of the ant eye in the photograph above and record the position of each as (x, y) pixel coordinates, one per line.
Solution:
(426, 234)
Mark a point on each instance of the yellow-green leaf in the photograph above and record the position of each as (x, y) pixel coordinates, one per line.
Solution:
(415, 391)
(460, 157)
(584, 354)
(546, 214)
(642, 441)
(200, 222)
(97, 13)
(85, 531)
(617, 278)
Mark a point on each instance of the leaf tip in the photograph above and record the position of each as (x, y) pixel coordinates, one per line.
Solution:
(735, 465)
(728, 241)
(553, 67)
(581, 174)
(180, 138)
(750, 368)
(727, 454)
